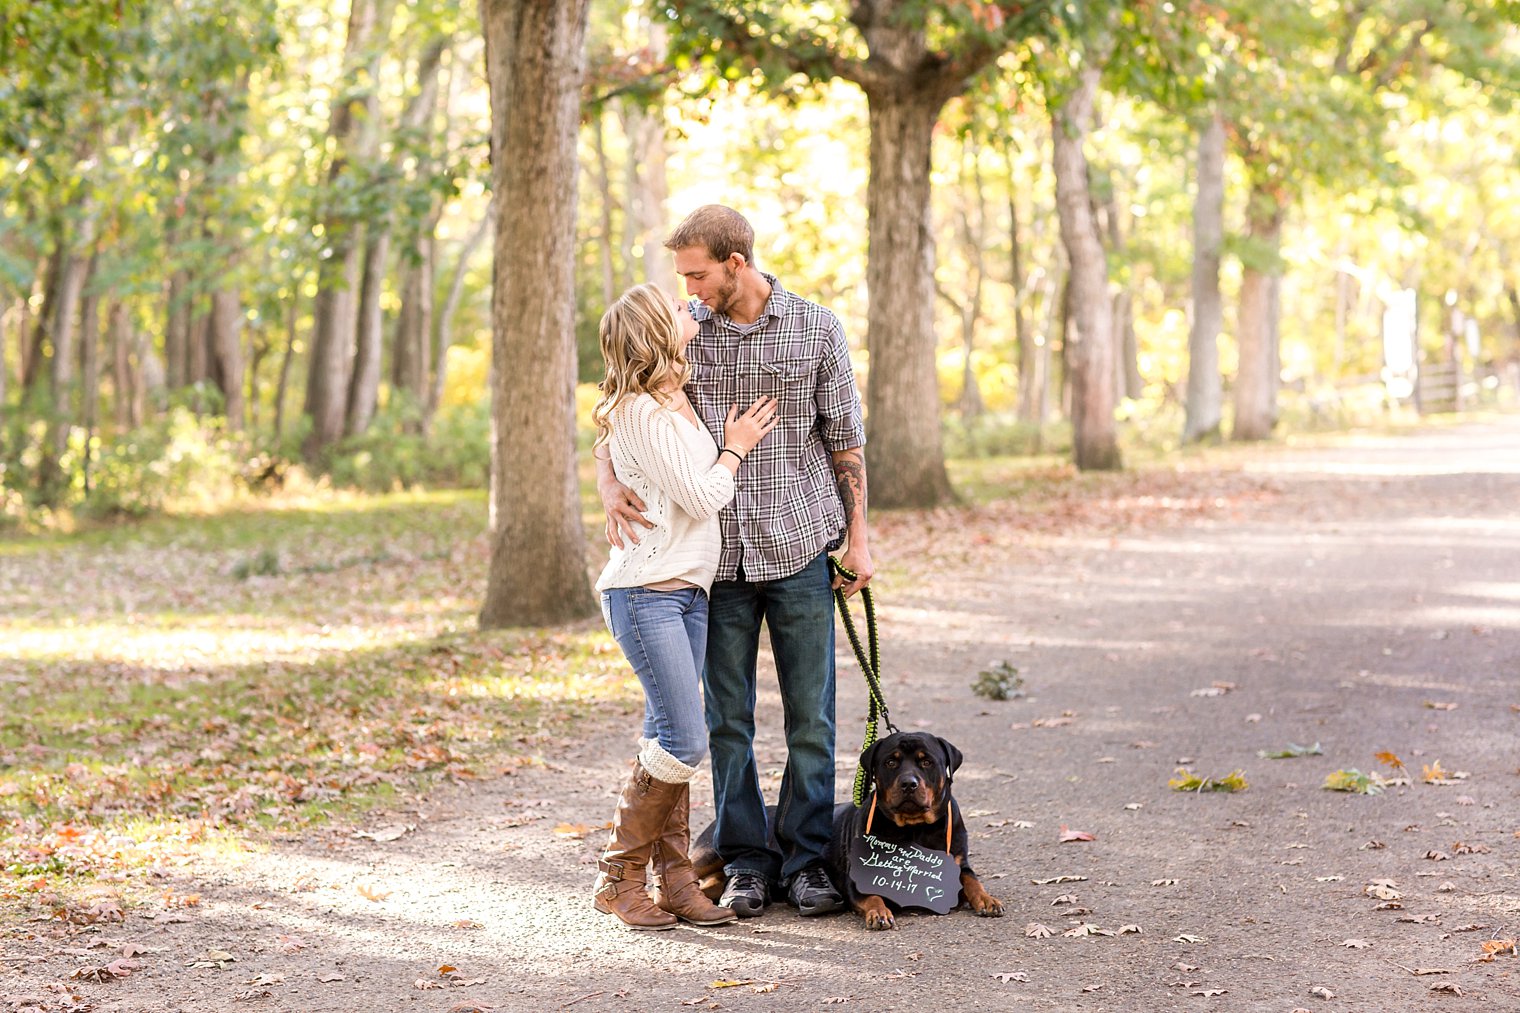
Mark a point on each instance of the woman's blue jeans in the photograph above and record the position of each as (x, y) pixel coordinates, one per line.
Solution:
(799, 612)
(664, 636)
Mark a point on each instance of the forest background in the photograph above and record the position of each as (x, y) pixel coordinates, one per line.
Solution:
(249, 243)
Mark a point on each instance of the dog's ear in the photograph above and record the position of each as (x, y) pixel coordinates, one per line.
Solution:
(868, 760)
(952, 756)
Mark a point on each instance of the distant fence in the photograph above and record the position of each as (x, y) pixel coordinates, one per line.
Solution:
(1445, 387)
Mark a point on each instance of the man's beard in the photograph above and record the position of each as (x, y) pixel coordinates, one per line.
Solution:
(724, 298)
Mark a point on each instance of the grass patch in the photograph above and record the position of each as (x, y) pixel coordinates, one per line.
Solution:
(161, 698)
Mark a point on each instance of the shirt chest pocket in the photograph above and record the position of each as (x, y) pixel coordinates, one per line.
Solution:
(790, 381)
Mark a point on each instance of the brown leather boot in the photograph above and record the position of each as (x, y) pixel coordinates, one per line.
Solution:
(676, 888)
(643, 807)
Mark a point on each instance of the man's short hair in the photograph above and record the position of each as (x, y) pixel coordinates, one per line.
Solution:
(722, 231)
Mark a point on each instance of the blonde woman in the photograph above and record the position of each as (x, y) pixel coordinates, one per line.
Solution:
(654, 593)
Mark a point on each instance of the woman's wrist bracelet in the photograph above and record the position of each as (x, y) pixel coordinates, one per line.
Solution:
(729, 450)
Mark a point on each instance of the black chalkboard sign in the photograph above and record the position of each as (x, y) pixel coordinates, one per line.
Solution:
(905, 874)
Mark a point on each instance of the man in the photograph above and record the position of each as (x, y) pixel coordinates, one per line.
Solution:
(801, 494)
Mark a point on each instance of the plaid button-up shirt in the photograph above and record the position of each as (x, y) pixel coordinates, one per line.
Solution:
(786, 509)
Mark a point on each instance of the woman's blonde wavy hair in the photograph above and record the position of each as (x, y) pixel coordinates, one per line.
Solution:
(641, 345)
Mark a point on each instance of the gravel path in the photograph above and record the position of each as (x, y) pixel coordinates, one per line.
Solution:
(1371, 603)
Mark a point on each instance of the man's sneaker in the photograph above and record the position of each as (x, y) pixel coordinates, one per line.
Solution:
(812, 893)
(745, 894)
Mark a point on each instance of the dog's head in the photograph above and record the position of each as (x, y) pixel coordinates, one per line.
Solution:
(911, 772)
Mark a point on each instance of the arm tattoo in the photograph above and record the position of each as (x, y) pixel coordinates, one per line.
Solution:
(850, 474)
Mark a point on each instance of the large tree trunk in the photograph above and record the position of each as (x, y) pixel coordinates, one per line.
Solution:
(1256, 382)
(1095, 444)
(1205, 397)
(973, 237)
(350, 129)
(282, 385)
(902, 395)
(535, 62)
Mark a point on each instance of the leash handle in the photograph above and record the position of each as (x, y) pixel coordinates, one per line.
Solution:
(868, 657)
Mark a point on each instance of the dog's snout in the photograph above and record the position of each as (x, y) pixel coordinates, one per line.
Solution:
(910, 782)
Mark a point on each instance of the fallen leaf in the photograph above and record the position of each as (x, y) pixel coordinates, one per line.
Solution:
(468, 923)
(1437, 856)
(730, 982)
(1447, 988)
(1130, 930)
(1292, 751)
(1321, 992)
(1183, 967)
(1440, 705)
(328, 977)
(1086, 929)
(1059, 879)
(1497, 948)
(1382, 889)
(1209, 993)
(1068, 835)
(1356, 944)
(372, 893)
(1187, 937)
(1185, 781)
(1034, 930)
(1007, 976)
(1354, 781)
(1389, 759)
(289, 944)
(571, 831)
(426, 983)
(1421, 971)
(1065, 898)
(266, 979)
(394, 832)
(1163, 882)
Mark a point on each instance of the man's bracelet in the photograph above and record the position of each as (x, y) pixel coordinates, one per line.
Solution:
(729, 450)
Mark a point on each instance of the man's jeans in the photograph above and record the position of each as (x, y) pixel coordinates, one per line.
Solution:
(664, 636)
(799, 611)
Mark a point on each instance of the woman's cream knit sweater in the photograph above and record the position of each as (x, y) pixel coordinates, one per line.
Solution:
(672, 465)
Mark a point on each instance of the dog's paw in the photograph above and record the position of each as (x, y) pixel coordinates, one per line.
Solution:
(988, 906)
(877, 914)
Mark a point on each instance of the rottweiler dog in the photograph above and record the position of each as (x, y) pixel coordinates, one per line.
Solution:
(910, 773)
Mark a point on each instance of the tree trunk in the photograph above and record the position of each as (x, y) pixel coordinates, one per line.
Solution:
(1127, 379)
(292, 314)
(535, 63)
(32, 346)
(338, 278)
(225, 344)
(1255, 382)
(364, 382)
(445, 326)
(1205, 397)
(414, 324)
(902, 395)
(647, 186)
(1024, 347)
(122, 381)
(1095, 444)
(604, 206)
(89, 374)
(973, 238)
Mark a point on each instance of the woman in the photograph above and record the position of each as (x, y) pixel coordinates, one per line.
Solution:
(654, 594)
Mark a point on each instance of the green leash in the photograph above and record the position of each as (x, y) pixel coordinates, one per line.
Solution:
(869, 660)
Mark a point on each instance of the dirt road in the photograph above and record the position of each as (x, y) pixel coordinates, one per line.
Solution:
(1365, 600)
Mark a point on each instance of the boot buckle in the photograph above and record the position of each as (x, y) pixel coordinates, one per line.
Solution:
(612, 870)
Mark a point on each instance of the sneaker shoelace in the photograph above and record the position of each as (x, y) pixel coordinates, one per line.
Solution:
(815, 879)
